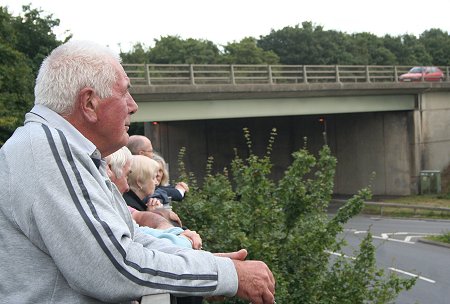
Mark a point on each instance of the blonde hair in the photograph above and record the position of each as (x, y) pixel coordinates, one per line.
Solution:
(142, 169)
(162, 162)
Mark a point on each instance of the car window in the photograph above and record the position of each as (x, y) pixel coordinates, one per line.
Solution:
(416, 70)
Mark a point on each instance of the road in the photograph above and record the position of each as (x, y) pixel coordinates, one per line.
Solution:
(399, 250)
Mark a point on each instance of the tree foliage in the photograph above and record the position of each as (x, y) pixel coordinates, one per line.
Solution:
(247, 52)
(304, 44)
(437, 45)
(285, 224)
(310, 44)
(173, 49)
(24, 42)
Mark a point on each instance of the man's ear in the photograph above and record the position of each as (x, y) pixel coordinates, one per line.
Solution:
(88, 102)
(109, 172)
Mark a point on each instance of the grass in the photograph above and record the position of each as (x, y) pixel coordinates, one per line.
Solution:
(443, 238)
(422, 200)
(416, 200)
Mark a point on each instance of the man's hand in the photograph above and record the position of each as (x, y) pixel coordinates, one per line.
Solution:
(236, 255)
(256, 282)
(194, 237)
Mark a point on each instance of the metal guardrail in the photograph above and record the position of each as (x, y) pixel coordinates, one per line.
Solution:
(235, 74)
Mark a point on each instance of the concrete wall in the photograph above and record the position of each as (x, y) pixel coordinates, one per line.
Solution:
(362, 142)
(373, 148)
(434, 112)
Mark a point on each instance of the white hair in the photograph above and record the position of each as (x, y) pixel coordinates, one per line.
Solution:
(118, 159)
(71, 67)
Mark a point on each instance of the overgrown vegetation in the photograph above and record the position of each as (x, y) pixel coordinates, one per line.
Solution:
(285, 224)
(443, 238)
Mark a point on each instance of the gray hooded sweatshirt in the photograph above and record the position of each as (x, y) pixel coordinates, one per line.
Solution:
(66, 235)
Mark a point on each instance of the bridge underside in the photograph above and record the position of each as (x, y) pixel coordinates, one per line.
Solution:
(217, 109)
(395, 134)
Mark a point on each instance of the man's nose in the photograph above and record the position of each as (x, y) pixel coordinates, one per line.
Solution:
(132, 105)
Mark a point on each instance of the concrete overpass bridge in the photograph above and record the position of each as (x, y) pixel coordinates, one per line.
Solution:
(373, 122)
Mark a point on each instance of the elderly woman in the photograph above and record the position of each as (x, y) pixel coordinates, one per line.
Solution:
(142, 182)
(177, 192)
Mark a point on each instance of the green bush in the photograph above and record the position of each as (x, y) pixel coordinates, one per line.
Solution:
(285, 224)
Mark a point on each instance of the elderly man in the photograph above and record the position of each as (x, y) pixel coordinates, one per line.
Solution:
(140, 145)
(67, 237)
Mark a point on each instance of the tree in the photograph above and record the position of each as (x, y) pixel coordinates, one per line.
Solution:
(285, 224)
(35, 37)
(137, 54)
(174, 50)
(414, 51)
(24, 42)
(437, 44)
(247, 52)
(16, 87)
(294, 45)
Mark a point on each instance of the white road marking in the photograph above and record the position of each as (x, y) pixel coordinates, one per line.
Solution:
(390, 239)
(408, 238)
(387, 236)
(359, 232)
(340, 254)
(412, 275)
(390, 268)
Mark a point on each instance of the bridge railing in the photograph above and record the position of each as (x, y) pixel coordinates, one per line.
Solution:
(204, 74)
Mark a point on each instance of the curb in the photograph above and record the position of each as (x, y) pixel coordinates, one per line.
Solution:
(440, 244)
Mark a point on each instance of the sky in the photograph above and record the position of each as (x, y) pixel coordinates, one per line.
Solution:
(120, 24)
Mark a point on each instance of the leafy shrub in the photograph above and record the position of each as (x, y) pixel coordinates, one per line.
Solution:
(285, 224)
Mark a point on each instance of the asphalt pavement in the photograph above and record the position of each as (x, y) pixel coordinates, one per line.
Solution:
(400, 250)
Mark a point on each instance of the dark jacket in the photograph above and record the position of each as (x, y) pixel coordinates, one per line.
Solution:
(172, 192)
(134, 201)
(159, 194)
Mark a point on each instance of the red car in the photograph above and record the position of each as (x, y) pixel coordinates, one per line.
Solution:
(428, 73)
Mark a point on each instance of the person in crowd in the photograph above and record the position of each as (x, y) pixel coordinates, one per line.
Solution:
(72, 239)
(177, 192)
(140, 145)
(119, 167)
(142, 182)
(156, 223)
